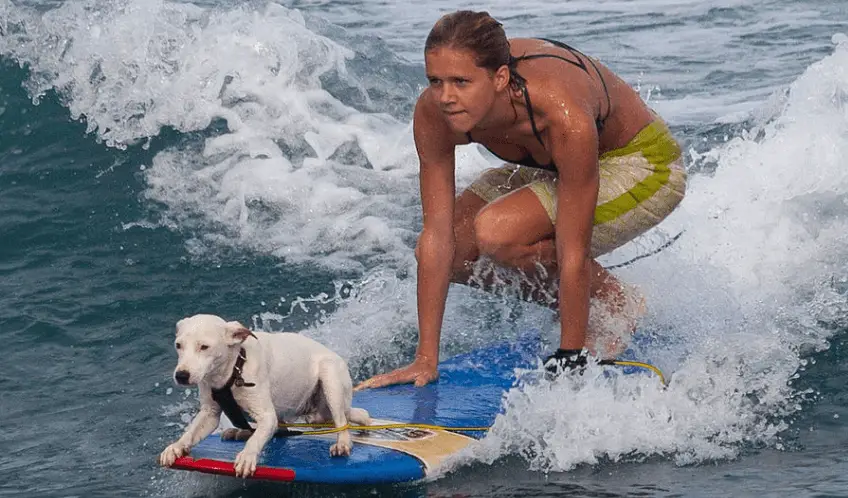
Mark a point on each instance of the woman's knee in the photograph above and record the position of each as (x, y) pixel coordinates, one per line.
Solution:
(465, 253)
(418, 249)
(489, 235)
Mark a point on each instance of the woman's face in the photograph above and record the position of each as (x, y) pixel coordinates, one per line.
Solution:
(464, 92)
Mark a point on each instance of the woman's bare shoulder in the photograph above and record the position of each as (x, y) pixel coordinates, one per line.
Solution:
(524, 46)
(429, 122)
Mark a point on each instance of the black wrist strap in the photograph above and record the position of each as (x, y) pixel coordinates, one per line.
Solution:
(568, 353)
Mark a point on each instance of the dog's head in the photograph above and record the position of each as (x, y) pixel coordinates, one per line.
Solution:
(206, 345)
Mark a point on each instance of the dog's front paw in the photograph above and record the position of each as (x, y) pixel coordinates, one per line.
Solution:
(245, 463)
(342, 446)
(171, 453)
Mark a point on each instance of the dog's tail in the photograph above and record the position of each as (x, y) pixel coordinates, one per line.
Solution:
(358, 416)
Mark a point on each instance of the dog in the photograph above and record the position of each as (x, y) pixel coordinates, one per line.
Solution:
(280, 376)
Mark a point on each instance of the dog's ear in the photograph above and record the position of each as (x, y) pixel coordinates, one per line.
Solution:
(179, 325)
(237, 333)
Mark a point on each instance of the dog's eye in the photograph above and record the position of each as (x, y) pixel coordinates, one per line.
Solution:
(204, 347)
(178, 345)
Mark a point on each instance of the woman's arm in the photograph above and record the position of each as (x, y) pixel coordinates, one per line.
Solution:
(574, 148)
(435, 144)
(436, 244)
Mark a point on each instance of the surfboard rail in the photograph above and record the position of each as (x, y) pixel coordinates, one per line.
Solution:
(219, 467)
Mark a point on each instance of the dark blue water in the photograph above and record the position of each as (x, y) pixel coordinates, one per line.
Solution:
(96, 267)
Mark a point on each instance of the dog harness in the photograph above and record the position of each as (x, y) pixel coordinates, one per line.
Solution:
(224, 396)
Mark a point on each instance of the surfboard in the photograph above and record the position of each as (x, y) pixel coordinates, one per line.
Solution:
(468, 394)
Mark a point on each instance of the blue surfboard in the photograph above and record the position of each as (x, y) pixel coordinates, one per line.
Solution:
(468, 394)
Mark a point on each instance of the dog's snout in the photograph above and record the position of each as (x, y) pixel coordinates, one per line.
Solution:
(182, 377)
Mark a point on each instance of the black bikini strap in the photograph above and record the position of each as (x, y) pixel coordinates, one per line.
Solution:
(579, 63)
(530, 115)
(606, 90)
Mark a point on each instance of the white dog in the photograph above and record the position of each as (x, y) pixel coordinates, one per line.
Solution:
(283, 375)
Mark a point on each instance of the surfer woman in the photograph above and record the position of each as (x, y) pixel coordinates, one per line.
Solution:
(588, 167)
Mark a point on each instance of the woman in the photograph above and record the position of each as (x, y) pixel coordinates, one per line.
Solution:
(590, 167)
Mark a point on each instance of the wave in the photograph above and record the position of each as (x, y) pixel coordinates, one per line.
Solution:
(296, 143)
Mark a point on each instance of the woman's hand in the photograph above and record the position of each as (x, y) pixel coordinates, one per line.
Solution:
(420, 372)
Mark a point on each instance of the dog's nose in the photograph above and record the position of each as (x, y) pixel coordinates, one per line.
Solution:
(181, 376)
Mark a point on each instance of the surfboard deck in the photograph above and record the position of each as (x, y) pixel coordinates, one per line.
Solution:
(467, 394)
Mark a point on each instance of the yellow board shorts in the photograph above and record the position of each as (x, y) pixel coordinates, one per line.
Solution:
(640, 184)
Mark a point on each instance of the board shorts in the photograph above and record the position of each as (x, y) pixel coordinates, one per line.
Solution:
(640, 184)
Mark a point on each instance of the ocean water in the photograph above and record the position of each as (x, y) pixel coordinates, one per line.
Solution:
(254, 160)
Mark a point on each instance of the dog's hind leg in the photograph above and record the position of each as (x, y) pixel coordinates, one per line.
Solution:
(359, 416)
(235, 434)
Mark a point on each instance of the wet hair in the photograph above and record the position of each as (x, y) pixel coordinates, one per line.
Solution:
(479, 33)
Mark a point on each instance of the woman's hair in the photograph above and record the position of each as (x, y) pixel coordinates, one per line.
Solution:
(477, 32)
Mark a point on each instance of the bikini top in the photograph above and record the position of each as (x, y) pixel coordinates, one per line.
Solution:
(599, 122)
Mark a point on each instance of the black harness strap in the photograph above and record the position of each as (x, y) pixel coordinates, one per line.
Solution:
(224, 396)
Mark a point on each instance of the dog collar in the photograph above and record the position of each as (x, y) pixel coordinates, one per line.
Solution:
(224, 395)
(236, 378)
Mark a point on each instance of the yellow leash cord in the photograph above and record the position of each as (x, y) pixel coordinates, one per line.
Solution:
(639, 364)
(330, 429)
